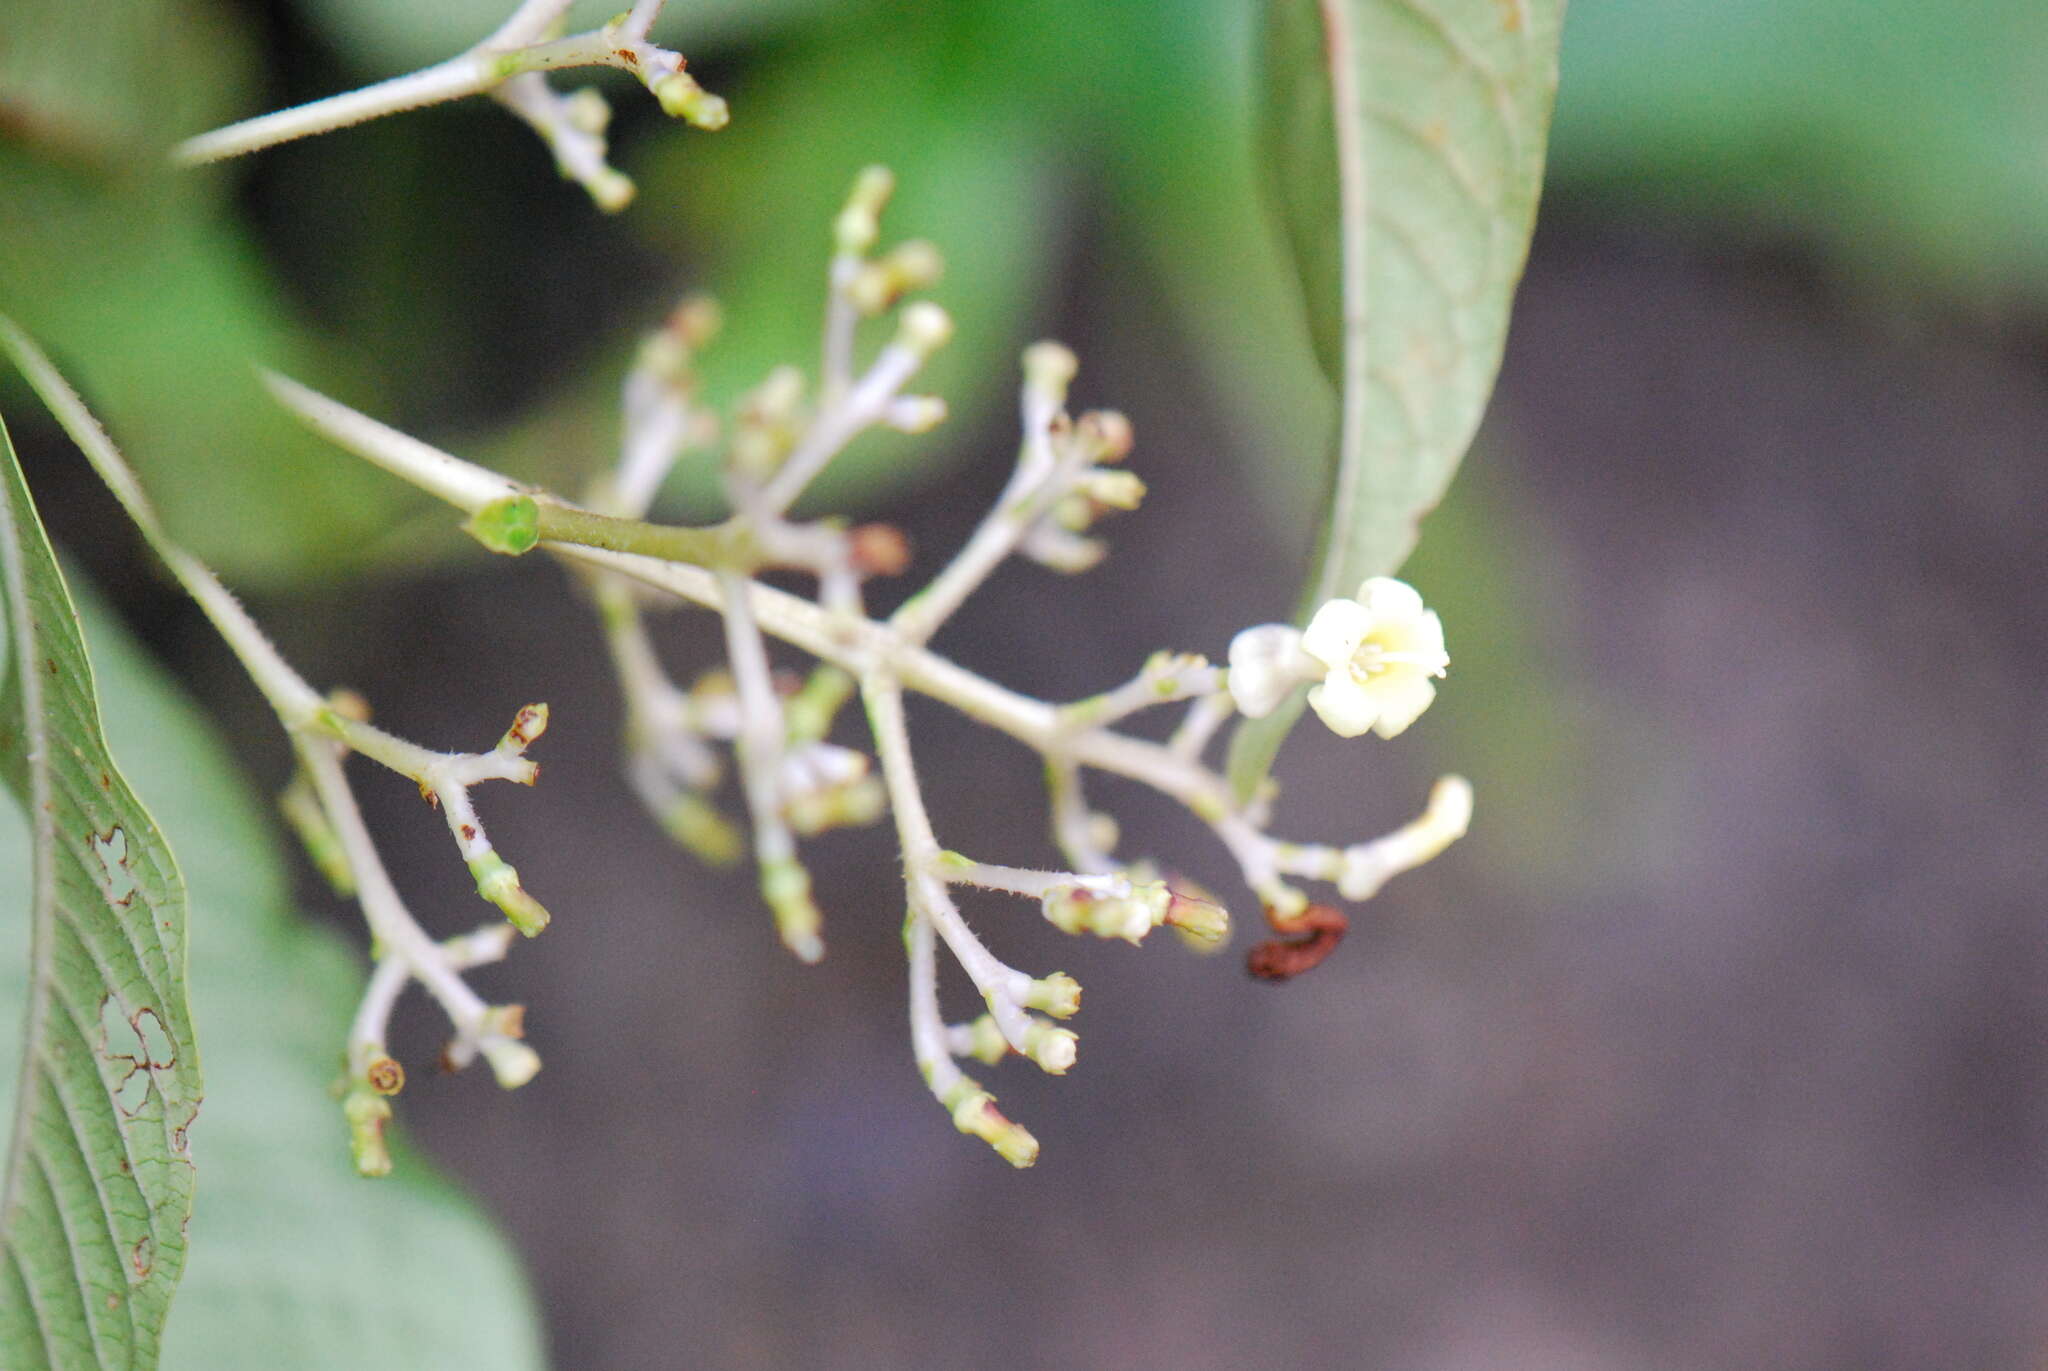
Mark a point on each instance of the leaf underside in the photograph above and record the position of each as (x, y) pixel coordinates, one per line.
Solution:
(99, 1182)
(1405, 143)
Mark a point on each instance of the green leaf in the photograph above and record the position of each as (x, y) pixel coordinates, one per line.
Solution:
(99, 1176)
(1406, 145)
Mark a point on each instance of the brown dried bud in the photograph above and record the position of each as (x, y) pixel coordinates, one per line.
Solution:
(878, 550)
(1320, 928)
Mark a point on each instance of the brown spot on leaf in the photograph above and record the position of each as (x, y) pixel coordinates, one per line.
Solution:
(142, 1257)
(1306, 940)
(469, 833)
(106, 781)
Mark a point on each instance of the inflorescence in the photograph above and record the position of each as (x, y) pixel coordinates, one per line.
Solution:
(1367, 664)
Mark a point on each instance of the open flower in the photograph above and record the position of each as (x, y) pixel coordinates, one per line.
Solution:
(1379, 651)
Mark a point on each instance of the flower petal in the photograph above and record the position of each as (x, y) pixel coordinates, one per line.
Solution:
(1342, 703)
(1386, 598)
(1426, 641)
(1336, 631)
(1266, 663)
(1401, 700)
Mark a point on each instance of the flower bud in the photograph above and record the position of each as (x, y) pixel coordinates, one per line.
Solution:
(1117, 489)
(1106, 434)
(910, 266)
(786, 886)
(925, 328)
(587, 111)
(1200, 920)
(368, 1113)
(682, 98)
(498, 881)
(859, 224)
(511, 1061)
(1052, 1047)
(1058, 995)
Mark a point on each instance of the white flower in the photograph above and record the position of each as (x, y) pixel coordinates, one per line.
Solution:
(1266, 663)
(1379, 652)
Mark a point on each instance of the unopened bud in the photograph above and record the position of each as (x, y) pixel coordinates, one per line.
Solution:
(1117, 489)
(769, 416)
(682, 98)
(1052, 1047)
(1106, 433)
(974, 1112)
(611, 190)
(511, 1061)
(1049, 368)
(1062, 550)
(910, 266)
(1058, 995)
(696, 823)
(498, 881)
(528, 724)
(786, 886)
(925, 328)
(860, 223)
(855, 804)
(696, 320)
(1197, 919)
(368, 1113)
(1128, 914)
(985, 1042)
(587, 111)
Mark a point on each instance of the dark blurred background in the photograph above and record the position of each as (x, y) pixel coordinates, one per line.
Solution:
(1718, 1044)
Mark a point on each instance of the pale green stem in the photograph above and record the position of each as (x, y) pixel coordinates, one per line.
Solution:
(841, 320)
(1207, 714)
(759, 743)
(1167, 678)
(516, 48)
(928, 1043)
(1072, 821)
(371, 1027)
(853, 644)
(837, 425)
(295, 701)
(1000, 530)
(954, 869)
(1003, 988)
(391, 924)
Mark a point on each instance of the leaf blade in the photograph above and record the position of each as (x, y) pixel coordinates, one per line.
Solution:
(1407, 142)
(99, 1180)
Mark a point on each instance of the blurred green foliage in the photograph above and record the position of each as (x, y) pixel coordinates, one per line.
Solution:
(433, 269)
